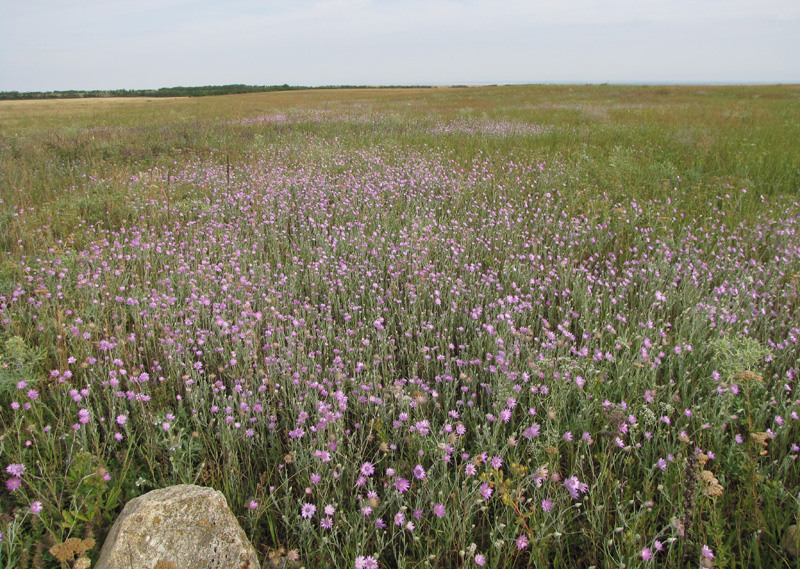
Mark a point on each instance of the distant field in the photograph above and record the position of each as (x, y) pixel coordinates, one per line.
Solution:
(550, 326)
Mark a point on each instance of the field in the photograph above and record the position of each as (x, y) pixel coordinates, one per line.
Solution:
(550, 326)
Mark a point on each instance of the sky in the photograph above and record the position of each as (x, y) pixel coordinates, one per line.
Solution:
(144, 44)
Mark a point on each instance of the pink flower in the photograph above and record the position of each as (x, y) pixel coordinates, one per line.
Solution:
(547, 504)
(707, 552)
(402, 484)
(486, 491)
(13, 484)
(253, 505)
(15, 469)
(367, 469)
(439, 510)
(646, 554)
(366, 562)
(574, 486)
(308, 510)
(36, 507)
(497, 462)
(480, 560)
(532, 431)
(419, 472)
(522, 541)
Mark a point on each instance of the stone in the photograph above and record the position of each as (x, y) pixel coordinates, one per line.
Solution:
(185, 526)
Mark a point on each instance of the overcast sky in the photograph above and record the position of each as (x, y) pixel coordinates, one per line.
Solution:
(113, 44)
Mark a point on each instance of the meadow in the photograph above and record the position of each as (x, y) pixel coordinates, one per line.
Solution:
(520, 326)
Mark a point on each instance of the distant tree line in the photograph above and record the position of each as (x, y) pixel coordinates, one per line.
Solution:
(164, 91)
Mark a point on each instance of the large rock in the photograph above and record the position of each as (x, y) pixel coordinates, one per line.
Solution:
(187, 525)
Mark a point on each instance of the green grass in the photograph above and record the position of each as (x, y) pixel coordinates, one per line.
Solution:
(446, 249)
(639, 142)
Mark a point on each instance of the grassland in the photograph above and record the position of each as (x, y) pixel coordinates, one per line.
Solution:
(518, 326)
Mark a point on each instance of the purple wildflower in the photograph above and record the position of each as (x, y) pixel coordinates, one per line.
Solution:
(401, 484)
(366, 562)
(367, 469)
(15, 469)
(575, 486)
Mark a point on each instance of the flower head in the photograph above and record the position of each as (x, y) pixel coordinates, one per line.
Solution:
(401, 484)
(308, 510)
(574, 486)
(15, 469)
(366, 562)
